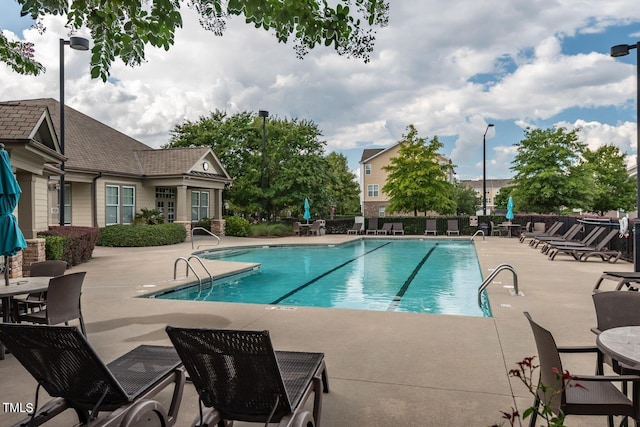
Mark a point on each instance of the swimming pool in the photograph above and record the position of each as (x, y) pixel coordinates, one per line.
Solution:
(407, 275)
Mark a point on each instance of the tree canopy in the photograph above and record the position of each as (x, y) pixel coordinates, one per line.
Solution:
(416, 181)
(295, 166)
(613, 187)
(548, 171)
(466, 199)
(124, 28)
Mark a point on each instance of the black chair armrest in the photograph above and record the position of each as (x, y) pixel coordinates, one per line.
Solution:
(578, 349)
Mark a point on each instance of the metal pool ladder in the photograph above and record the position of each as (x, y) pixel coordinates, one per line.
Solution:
(476, 233)
(208, 232)
(190, 267)
(493, 274)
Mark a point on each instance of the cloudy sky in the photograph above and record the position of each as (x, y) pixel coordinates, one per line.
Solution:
(449, 68)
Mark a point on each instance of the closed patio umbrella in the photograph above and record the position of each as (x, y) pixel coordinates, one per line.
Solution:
(11, 238)
(307, 214)
(509, 215)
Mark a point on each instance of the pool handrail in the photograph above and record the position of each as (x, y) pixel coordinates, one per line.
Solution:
(476, 233)
(206, 231)
(493, 274)
(190, 267)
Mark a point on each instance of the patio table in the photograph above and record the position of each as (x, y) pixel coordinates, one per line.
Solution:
(19, 286)
(622, 344)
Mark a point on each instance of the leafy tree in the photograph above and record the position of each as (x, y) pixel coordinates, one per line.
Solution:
(294, 162)
(344, 191)
(466, 199)
(613, 187)
(548, 174)
(124, 28)
(416, 181)
(502, 198)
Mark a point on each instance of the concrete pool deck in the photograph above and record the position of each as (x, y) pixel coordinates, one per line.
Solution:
(384, 367)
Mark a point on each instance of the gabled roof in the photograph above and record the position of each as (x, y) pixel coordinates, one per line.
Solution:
(368, 153)
(26, 122)
(167, 162)
(92, 146)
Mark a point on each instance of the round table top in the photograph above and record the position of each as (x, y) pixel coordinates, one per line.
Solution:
(623, 344)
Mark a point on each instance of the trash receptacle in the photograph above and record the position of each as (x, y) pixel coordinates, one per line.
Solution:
(485, 228)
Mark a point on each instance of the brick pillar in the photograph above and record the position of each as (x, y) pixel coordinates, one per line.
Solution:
(35, 252)
(218, 226)
(15, 266)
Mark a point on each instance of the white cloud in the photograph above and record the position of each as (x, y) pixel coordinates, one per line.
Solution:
(449, 68)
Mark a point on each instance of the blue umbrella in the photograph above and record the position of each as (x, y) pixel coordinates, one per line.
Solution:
(11, 238)
(307, 213)
(509, 215)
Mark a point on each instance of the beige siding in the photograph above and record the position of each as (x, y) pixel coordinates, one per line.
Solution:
(41, 211)
(81, 204)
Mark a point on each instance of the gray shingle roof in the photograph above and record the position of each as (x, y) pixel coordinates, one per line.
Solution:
(18, 121)
(93, 146)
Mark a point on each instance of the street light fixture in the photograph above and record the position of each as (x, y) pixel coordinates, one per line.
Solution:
(618, 51)
(484, 169)
(77, 43)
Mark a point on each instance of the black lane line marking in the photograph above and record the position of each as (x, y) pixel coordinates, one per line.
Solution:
(396, 300)
(326, 273)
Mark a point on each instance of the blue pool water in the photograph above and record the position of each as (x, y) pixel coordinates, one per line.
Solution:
(417, 275)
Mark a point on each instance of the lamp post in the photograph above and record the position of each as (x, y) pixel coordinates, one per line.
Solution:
(617, 51)
(77, 43)
(484, 170)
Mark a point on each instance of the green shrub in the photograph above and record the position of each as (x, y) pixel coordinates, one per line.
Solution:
(149, 217)
(142, 235)
(237, 226)
(53, 246)
(79, 242)
(271, 229)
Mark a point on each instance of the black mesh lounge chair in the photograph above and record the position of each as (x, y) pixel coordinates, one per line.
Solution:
(431, 227)
(239, 376)
(62, 303)
(372, 226)
(597, 394)
(63, 363)
(452, 227)
(582, 253)
(386, 228)
(623, 278)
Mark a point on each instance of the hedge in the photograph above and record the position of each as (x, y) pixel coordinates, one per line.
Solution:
(78, 245)
(142, 235)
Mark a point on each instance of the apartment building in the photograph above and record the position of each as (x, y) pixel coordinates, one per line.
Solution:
(373, 200)
(493, 189)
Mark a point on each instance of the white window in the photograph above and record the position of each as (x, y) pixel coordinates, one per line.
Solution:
(113, 205)
(372, 190)
(199, 205)
(128, 204)
(381, 212)
(120, 204)
(367, 169)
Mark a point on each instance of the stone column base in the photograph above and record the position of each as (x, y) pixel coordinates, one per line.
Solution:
(218, 227)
